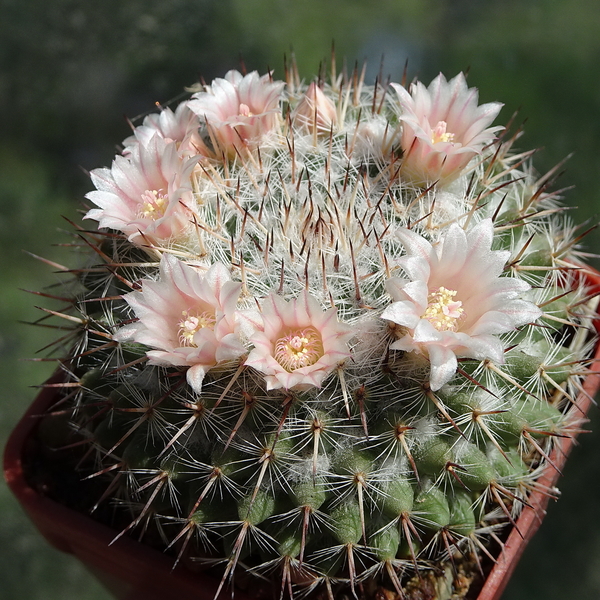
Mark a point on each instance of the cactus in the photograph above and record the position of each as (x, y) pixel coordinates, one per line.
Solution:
(326, 334)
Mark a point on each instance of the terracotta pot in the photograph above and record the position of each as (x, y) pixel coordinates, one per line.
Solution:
(133, 571)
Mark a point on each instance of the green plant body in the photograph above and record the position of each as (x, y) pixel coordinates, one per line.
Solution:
(326, 334)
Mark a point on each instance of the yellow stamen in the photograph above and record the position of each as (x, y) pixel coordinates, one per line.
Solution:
(443, 312)
(439, 134)
(245, 110)
(154, 204)
(299, 348)
(191, 323)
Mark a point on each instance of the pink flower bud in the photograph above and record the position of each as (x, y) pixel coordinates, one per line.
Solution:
(315, 111)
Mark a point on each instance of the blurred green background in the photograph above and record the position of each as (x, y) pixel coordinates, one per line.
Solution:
(69, 70)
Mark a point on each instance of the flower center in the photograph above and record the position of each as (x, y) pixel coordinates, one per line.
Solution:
(443, 312)
(191, 323)
(299, 348)
(438, 133)
(244, 110)
(154, 204)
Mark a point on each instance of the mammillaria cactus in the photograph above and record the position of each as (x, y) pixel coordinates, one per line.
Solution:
(328, 336)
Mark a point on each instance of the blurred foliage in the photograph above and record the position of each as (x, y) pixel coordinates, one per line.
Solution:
(69, 69)
(73, 67)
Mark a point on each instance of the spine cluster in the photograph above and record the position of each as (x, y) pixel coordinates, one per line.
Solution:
(327, 334)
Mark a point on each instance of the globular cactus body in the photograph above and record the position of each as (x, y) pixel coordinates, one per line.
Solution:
(334, 331)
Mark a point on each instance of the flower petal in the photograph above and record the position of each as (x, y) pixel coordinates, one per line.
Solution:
(402, 313)
(443, 366)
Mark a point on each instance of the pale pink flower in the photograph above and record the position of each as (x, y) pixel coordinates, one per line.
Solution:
(455, 302)
(147, 194)
(315, 111)
(237, 111)
(189, 317)
(299, 343)
(443, 128)
(171, 126)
